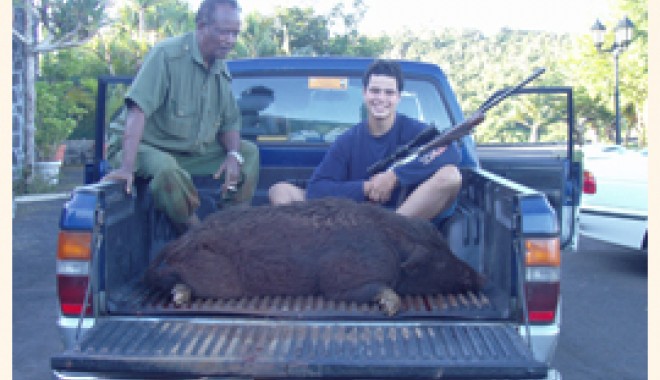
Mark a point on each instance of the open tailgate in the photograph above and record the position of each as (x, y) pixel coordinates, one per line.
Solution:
(269, 348)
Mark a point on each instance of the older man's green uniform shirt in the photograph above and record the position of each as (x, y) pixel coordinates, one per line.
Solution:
(185, 104)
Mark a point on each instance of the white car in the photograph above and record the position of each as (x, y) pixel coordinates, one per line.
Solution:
(617, 211)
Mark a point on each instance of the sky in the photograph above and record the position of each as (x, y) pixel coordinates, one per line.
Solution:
(489, 16)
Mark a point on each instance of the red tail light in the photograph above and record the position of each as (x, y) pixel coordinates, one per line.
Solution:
(542, 301)
(589, 183)
(73, 261)
(71, 291)
(542, 275)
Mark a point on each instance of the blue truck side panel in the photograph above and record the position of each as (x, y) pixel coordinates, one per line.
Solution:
(78, 212)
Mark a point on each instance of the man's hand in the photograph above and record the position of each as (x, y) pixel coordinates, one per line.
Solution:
(232, 170)
(121, 175)
(379, 187)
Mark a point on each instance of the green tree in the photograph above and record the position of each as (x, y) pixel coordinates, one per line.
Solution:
(138, 26)
(528, 118)
(478, 65)
(256, 38)
(594, 79)
(634, 65)
(63, 24)
(153, 20)
(301, 32)
(79, 67)
(60, 108)
(345, 37)
(119, 51)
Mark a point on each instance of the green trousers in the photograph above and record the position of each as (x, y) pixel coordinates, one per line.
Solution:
(171, 184)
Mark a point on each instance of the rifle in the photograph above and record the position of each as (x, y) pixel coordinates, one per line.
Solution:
(430, 138)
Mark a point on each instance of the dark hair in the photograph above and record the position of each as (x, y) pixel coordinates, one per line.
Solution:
(205, 11)
(384, 67)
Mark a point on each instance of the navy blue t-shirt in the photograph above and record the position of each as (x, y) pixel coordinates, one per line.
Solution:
(343, 171)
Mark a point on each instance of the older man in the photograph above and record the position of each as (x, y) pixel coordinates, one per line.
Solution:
(183, 120)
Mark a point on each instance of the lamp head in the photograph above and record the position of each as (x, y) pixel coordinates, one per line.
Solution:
(598, 33)
(624, 32)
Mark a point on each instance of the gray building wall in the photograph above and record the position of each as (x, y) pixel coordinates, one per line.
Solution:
(18, 94)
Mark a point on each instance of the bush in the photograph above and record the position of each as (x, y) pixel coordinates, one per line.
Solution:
(59, 109)
(36, 186)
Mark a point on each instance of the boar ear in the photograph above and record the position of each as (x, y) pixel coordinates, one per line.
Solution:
(418, 258)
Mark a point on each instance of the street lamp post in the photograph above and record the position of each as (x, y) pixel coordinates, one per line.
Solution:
(623, 37)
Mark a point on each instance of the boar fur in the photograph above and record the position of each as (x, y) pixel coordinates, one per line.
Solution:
(332, 247)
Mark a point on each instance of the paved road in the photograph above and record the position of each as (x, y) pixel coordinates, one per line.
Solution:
(34, 311)
(604, 287)
(605, 313)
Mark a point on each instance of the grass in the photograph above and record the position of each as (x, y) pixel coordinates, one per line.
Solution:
(37, 186)
(70, 176)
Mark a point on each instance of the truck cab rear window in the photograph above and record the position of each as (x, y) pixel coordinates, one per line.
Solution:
(304, 109)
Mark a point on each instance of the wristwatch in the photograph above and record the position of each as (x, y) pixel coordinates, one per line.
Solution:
(237, 156)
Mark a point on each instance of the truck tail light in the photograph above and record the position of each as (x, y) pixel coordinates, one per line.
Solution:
(588, 183)
(72, 270)
(542, 275)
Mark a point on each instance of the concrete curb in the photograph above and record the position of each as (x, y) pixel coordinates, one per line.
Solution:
(41, 197)
(35, 198)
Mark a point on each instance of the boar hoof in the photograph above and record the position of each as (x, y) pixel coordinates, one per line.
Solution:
(389, 301)
(181, 294)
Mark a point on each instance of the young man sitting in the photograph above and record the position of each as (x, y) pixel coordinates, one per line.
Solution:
(430, 183)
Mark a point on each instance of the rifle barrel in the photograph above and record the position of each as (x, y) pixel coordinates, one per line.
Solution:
(505, 93)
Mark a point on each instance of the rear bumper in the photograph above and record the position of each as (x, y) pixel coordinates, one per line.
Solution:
(544, 341)
(552, 375)
(544, 338)
(68, 328)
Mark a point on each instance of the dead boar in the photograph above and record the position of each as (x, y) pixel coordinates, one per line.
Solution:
(332, 247)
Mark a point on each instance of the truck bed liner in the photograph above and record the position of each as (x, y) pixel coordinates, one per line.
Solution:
(201, 347)
(140, 299)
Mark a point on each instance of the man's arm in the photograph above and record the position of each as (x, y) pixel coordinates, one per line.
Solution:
(135, 120)
(231, 140)
(146, 93)
(425, 166)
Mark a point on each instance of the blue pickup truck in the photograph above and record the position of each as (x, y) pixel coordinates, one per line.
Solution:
(514, 216)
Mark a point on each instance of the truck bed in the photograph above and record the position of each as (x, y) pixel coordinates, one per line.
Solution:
(140, 299)
(454, 336)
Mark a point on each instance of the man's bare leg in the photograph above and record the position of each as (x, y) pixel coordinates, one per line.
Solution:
(434, 195)
(283, 193)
